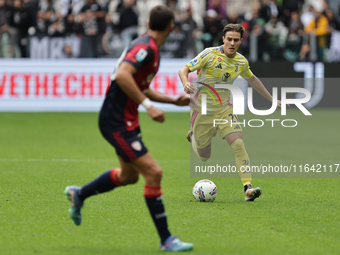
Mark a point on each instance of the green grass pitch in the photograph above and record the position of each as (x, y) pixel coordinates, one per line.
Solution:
(41, 153)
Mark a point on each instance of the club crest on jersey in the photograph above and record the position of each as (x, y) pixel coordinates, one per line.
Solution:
(141, 55)
(219, 59)
(136, 145)
(236, 68)
(226, 76)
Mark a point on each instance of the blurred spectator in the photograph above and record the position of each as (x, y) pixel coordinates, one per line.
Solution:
(319, 28)
(294, 38)
(112, 42)
(260, 33)
(212, 31)
(269, 10)
(333, 37)
(276, 36)
(241, 7)
(244, 47)
(334, 32)
(128, 22)
(325, 7)
(288, 7)
(20, 20)
(192, 33)
(172, 4)
(174, 46)
(198, 9)
(104, 4)
(292, 5)
(308, 16)
(220, 7)
(333, 23)
(8, 48)
(68, 51)
(255, 16)
(49, 21)
(92, 18)
(281, 35)
(70, 6)
(295, 25)
(113, 14)
(3, 18)
(42, 19)
(70, 12)
(234, 18)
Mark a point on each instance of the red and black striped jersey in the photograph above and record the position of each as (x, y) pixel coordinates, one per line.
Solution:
(120, 110)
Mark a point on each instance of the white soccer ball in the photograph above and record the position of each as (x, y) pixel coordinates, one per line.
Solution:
(204, 191)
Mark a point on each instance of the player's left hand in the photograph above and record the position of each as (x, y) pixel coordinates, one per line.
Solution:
(182, 101)
(189, 88)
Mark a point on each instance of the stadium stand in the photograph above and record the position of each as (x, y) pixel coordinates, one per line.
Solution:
(276, 30)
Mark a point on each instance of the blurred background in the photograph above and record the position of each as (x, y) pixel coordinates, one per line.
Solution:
(58, 55)
(276, 30)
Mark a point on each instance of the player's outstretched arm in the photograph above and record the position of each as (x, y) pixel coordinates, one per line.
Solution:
(126, 82)
(184, 76)
(161, 98)
(259, 87)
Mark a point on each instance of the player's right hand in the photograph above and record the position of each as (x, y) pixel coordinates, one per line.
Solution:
(189, 88)
(156, 114)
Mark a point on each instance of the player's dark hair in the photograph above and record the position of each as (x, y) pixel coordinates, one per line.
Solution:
(160, 18)
(234, 28)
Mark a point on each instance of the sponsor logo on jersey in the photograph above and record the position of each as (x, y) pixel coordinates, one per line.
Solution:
(219, 66)
(236, 68)
(226, 76)
(136, 145)
(141, 55)
(193, 62)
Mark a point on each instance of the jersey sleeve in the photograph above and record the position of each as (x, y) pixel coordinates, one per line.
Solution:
(246, 73)
(139, 55)
(199, 61)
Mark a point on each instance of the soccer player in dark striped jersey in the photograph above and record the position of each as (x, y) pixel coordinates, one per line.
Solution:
(118, 123)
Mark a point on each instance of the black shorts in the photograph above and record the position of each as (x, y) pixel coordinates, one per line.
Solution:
(128, 144)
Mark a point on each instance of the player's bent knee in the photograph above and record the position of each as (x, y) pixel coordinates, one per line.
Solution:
(133, 179)
(204, 154)
(153, 174)
(158, 173)
(129, 179)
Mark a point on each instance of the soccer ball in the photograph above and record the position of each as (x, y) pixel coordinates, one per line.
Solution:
(204, 191)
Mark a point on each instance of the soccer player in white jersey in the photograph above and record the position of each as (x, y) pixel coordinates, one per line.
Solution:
(221, 65)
